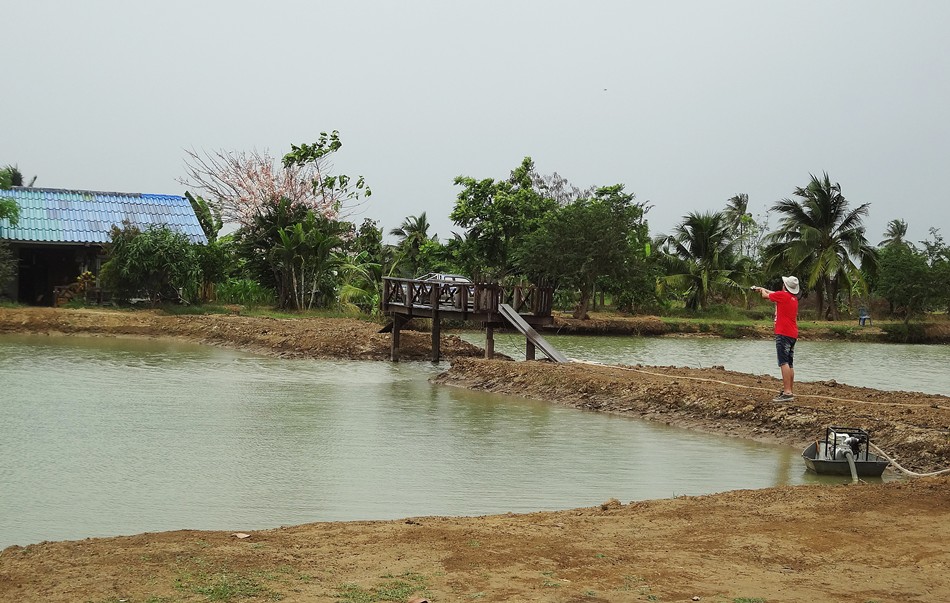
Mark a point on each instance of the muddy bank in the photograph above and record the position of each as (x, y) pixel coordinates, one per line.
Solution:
(808, 544)
(913, 428)
(341, 338)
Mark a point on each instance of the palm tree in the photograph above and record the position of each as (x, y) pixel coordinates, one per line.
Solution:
(737, 208)
(740, 220)
(819, 239)
(360, 283)
(699, 257)
(412, 233)
(12, 175)
(895, 234)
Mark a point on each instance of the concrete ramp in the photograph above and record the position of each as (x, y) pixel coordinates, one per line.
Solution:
(528, 331)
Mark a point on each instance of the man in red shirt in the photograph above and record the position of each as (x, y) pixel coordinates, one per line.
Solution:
(786, 331)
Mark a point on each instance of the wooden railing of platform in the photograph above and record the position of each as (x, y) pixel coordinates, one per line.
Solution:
(404, 299)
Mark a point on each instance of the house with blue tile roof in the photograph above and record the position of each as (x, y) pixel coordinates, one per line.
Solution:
(63, 233)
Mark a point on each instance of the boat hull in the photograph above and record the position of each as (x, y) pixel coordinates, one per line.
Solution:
(872, 467)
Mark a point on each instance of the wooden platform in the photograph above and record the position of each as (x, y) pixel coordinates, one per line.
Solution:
(405, 299)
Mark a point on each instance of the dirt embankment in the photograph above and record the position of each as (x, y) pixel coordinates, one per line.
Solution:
(861, 543)
(913, 428)
(287, 338)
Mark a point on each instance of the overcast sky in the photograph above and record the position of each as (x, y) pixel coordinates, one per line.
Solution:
(685, 103)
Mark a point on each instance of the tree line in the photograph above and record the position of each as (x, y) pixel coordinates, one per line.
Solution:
(294, 248)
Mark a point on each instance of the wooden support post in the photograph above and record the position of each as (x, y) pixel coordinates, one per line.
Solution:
(489, 342)
(528, 350)
(394, 342)
(436, 322)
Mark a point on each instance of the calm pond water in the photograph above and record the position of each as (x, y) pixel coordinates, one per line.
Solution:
(107, 436)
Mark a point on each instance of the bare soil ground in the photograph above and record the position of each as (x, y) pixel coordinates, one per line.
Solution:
(860, 543)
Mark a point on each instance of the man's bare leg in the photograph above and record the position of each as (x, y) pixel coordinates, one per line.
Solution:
(788, 378)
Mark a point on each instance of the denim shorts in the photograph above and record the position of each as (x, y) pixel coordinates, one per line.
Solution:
(785, 347)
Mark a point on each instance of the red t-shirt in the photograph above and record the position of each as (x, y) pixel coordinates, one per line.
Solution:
(786, 313)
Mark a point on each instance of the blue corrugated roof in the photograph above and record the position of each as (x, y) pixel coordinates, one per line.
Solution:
(57, 216)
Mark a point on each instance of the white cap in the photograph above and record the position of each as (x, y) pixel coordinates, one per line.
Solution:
(791, 283)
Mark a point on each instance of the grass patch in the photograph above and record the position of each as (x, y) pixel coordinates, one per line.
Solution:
(222, 586)
(245, 292)
(392, 589)
(730, 332)
(840, 330)
(194, 309)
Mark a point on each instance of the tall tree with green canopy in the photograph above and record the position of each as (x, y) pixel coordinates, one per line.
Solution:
(368, 238)
(700, 257)
(905, 280)
(938, 258)
(497, 214)
(822, 241)
(583, 241)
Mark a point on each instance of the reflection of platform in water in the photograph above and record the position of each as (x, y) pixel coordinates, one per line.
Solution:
(527, 306)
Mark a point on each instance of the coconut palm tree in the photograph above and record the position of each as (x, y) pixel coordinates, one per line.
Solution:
(740, 220)
(821, 240)
(412, 233)
(737, 209)
(699, 257)
(360, 283)
(895, 234)
(12, 176)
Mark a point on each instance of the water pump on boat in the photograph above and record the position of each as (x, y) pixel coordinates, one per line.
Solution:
(844, 451)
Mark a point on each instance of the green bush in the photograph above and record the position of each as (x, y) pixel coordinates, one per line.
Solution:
(156, 264)
(246, 292)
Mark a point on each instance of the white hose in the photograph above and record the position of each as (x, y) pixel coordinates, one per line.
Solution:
(904, 470)
(854, 470)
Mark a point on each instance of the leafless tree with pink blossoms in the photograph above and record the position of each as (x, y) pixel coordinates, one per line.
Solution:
(246, 184)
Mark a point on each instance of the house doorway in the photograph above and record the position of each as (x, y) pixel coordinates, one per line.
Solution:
(42, 269)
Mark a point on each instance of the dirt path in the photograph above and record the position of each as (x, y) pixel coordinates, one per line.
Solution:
(862, 543)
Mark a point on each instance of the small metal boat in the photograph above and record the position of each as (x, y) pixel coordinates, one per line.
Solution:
(831, 455)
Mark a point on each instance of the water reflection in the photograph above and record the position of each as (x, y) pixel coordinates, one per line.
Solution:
(107, 436)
